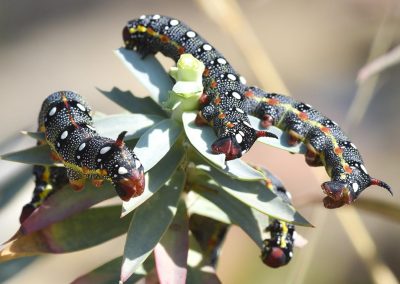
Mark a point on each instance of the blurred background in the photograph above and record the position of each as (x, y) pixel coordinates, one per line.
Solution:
(317, 47)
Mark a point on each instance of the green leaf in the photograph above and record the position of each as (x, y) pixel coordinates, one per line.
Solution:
(108, 273)
(256, 195)
(78, 232)
(239, 213)
(64, 203)
(171, 252)
(156, 142)
(136, 124)
(155, 178)
(239, 169)
(201, 138)
(149, 223)
(281, 142)
(148, 71)
(201, 206)
(38, 155)
(386, 209)
(200, 275)
(132, 103)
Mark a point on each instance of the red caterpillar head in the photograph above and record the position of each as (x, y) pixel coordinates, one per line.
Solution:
(340, 192)
(274, 256)
(278, 249)
(123, 168)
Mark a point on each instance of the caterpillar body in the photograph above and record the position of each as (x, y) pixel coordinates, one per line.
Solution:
(48, 180)
(66, 121)
(277, 250)
(227, 101)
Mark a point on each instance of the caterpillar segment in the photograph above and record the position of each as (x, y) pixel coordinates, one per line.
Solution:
(223, 87)
(277, 250)
(327, 145)
(67, 123)
(227, 101)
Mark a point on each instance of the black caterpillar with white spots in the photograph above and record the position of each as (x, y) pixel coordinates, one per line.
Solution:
(278, 248)
(227, 101)
(67, 123)
(48, 180)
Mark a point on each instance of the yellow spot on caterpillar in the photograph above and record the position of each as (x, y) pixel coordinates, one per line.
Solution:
(141, 29)
(284, 234)
(132, 30)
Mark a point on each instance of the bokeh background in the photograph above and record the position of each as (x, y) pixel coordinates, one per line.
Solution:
(317, 47)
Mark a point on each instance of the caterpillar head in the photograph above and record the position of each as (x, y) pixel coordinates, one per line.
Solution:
(274, 256)
(236, 142)
(124, 169)
(341, 192)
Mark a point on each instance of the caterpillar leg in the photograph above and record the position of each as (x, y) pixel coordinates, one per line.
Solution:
(312, 157)
(228, 146)
(338, 193)
(76, 179)
(235, 144)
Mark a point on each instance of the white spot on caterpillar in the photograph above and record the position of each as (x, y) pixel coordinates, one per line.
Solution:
(239, 138)
(355, 186)
(82, 146)
(174, 22)
(122, 171)
(191, 34)
(64, 135)
(104, 150)
(363, 169)
(58, 144)
(241, 132)
(156, 17)
(239, 110)
(137, 164)
(290, 254)
(247, 124)
(222, 76)
(98, 160)
(242, 80)
(81, 107)
(142, 17)
(236, 95)
(232, 77)
(91, 127)
(78, 157)
(52, 111)
(166, 28)
(115, 176)
(207, 47)
(352, 145)
(221, 61)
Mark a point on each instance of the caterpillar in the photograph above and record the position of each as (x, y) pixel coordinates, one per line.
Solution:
(277, 250)
(67, 123)
(48, 180)
(227, 101)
